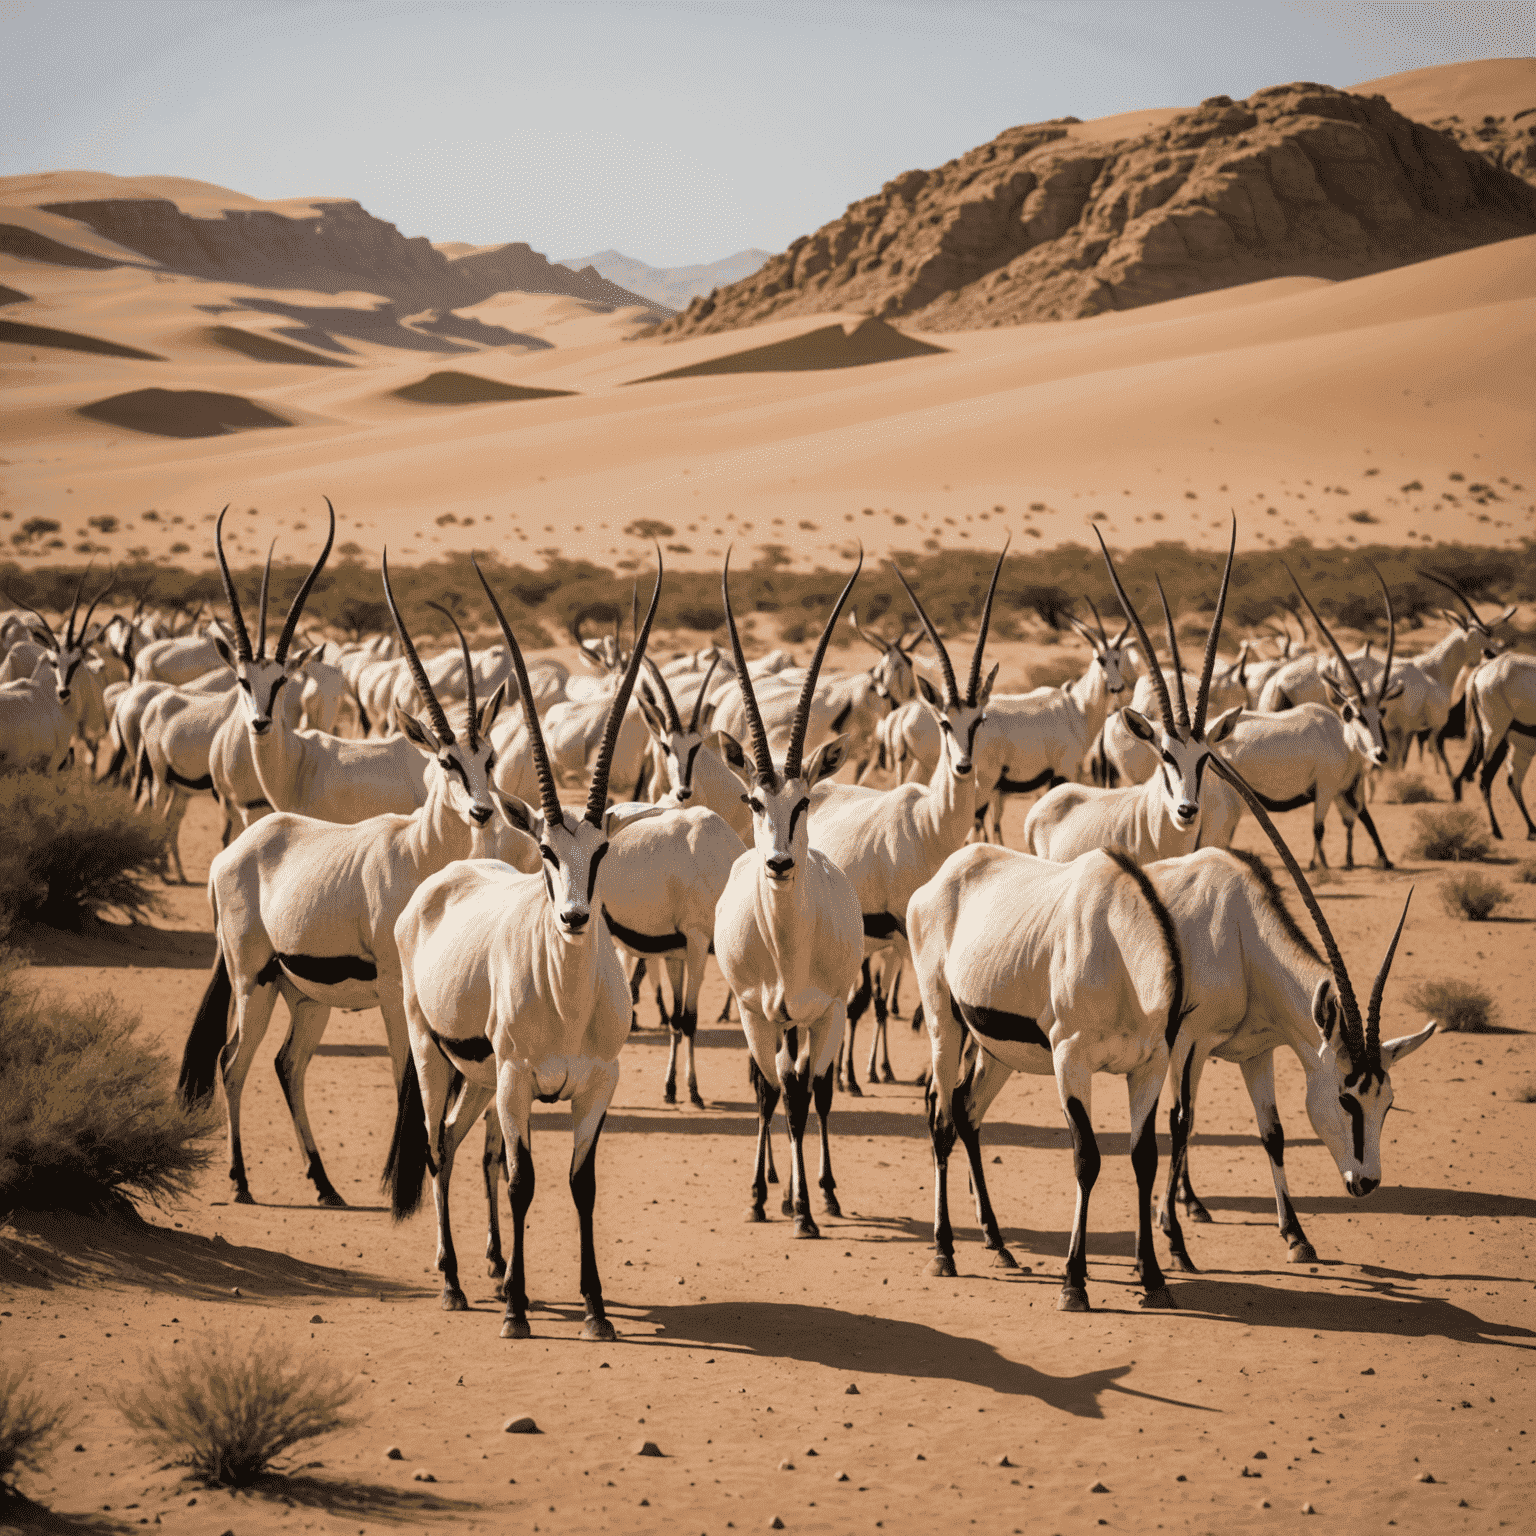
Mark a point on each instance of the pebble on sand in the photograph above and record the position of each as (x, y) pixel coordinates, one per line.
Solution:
(79, 1447)
(521, 1426)
(775, 1524)
(786, 1466)
(1262, 1504)
(421, 1475)
(1370, 1370)
(317, 1318)
(1098, 1488)
(852, 1389)
(646, 1448)
(1307, 1509)
(842, 1477)
(394, 1453)
(1424, 1477)
(1001, 1461)
(234, 1290)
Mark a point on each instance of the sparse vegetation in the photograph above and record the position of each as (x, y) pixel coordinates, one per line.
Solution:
(29, 1422)
(89, 1115)
(229, 1408)
(1525, 1093)
(1525, 872)
(1472, 896)
(1454, 835)
(1459, 1006)
(1411, 789)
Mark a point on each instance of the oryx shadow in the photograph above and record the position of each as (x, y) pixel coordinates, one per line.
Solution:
(116, 945)
(1394, 1200)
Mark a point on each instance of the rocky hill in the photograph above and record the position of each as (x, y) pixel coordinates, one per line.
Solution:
(672, 286)
(1060, 220)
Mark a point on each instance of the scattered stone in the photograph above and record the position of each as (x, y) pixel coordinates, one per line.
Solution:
(920, 1457)
(1424, 1477)
(421, 1475)
(1246, 1473)
(1307, 1509)
(521, 1426)
(842, 1477)
(786, 1466)
(645, 1503)
(1001, 1461)
(1368, 1371)
(852, 1390)
(646, 1448)
(604, 1366)
(1098, 1488)
(1262, 1504)
(997, 1159)
(1462, 1504)
(1181, 1478)
(775, 1524)
(394, 1453)
(810, 1450)
(317, 1318)
(1261, 1455)
(234, 1290)
(79, 1447)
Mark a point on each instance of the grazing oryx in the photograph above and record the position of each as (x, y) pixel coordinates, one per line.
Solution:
(1501, 701)
(77, 687)
(788, 933)
(511, 983)
(306, 909)
(1161, 817)
(890, 841)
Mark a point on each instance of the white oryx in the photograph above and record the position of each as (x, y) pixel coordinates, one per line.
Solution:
(306, 910)
(1160, 818)
(35, 729)
(1501, 707)
(177, 660)
(513, 988)
(788, 933)
(1120, 756)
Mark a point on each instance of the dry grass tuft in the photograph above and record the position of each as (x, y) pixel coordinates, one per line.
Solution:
(1454, 835)
(1411, 789)
(1473, 896)
(1525, 872)
(29, 1422)
(1459, 1006)
(228, 1408)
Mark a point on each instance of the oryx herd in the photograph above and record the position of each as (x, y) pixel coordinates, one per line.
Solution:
(427, 865)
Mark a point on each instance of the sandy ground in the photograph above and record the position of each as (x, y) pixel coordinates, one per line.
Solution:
(1406, 1350)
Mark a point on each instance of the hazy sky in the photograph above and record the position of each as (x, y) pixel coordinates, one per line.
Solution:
(673, 130)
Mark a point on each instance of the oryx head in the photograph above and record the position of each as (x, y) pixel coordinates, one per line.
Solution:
(1112, 657)
(959, 716)
(572, 846)
(465, 766)
(892, 674)
(1183, 743)
(606, 654)
(780, 802)
(1363, 716)
(1349, 1087)
(1478, 632)
(679, 744)
(260, 677)
(64, 653)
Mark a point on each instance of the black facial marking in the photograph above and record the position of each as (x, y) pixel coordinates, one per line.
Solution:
(1357, 1123)
(687, 776)
(597, 859)
(548, 855)
(795, 815)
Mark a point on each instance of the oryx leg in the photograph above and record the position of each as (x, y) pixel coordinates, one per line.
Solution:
(636, 976)
(514, 1103)
(973, 1098)
(847, 1073)
(946, 1038)
(795, 1068)
(766, 1087)
(877, 997)
(1519, 765)
(1319, 824)
(1143, 1087)
(589, 1108)
(493, 1163)
(823, 1056)
(308, 1019)
(254, 1002)
(1490, 771)
(1259, 1075)
(1074, 1086)
(452, 1117)
(687, 978)
(1353, 799)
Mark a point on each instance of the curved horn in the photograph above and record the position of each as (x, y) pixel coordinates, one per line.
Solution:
(469, 678)
(242, 636)
(760, 748)
(296, 607)
(698, 698)
(673, 720)
(1373, 1008)
(261, 623)
(1213, 639)
(868, 639)
(1149, 656)
(597, 795)
(940, 651)
(413, 662)
(1456, 589)
(85, 623)
(28, 608)
(1386, 671)
(1177, 660)
(548, 794)
(1103, 638)
(803, 709)
(973, 682)
(1338, 650)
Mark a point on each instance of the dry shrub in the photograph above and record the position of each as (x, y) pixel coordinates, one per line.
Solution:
(89, 1113)
(228, 1408)
(1459, 1006)
(1472, 896)
(29, 1422)
(1411, 789)
(1453, 835)
(1525, 872)
(1526, 1093)
(73, 849)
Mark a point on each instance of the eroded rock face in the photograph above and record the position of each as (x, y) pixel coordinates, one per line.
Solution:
(1509, 142)
(1042, 225)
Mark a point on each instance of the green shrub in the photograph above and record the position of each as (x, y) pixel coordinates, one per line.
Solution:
(29, 1422)
(228, 1408)
(73, 849)
(1411, 789)
(1459, 1006)
(1453, 834)
(1472, 896)
(89, 1113)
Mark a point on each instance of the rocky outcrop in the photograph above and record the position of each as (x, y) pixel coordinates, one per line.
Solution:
(1509, 142)
(1047, 224)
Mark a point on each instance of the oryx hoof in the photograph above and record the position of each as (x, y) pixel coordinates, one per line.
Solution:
(755, 1213)
(1002, 1259)
(773, 1175)
(1301, 1253)
(1194, 1211)
(696, 1099)
(1385, 864)
(805, 1227)
(669, 1094)
(1184, 1264)
(941, 1266)
(829, 1203)
(496, 1269)
(787, 1206)
(244, 1197)
(1161, 1297)
(600, 1329)
(330, 1200)
(454, 1299)
(516, 1328)
(1073, 1298)
(886, 1075)
(853, 1087)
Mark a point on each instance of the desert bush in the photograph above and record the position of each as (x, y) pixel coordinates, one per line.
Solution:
(1454, 835)
(1472, 896)
(1460, 1007)
(1410, 789)
(229, 1408)
(1525, 1093)
(74, 849)
(1525, 872)
(29, 1422)
(89, 1114)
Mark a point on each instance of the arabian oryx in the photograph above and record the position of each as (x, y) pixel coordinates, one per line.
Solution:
(306, 910)
(890, 841)
(1501, 706)
(1161, 817)
(513, 987)
(788, 932)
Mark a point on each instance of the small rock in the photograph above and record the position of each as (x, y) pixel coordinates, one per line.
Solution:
(810, 1450)
(842, 1477)
(1307, 1509)
(394, 1453)
(629, 1263)
(421, 1475)
(775, 1524)
(646, 1448)
(234, 1290)
(1462, 1504)
(997, 1159)
(521, 1426)
(1262, 1504)
(852, 1389)
(920, 1457)
(645, 1503)
(605, 1366)
(79, 1447)
(786, 1466)
(1098, 1488)
(1181, 1478)
(1261, 1455)
(1424, 1477)
(1368, 1371)
(317, 1318)
(1001, 1461)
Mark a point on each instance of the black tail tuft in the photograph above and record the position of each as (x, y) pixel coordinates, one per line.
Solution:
(114, 772)
(210, 1029)
(405, 1170)
(144, 774)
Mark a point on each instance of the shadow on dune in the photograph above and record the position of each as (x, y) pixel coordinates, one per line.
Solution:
(444, 322)
(21, 335)
(265, 349)
(181, 413)
(451, 388)
(19, 1513)
(358, 1501)
(113, 945)
(830, 346)
(320, 326)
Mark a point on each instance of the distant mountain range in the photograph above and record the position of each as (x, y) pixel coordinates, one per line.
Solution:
(672, 286)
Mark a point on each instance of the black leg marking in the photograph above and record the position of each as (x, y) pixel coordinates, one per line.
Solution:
(1382, 861)
(797, 1106)
(821, 1092)
(584, 1193)
(1144, 1163)
(767, 1101)
(941, 1131)
(1085, 1158)
(520, 1190)
(492, 1163)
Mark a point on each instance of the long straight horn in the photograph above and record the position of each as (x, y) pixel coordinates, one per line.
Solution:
(1373, 1008)
(296, 607)
(674, 721)
(85, 623)
(242, 636)
(760, 747)
(469, 677)
(597, 795)
(698, 698)
(973, 682)
(1175, 659)
(74, 607)
(261, 606)
(940, 651)
(803, 709)
(1386, 671)
(1353, 1031)
(548, 794)
(1213, 639)
(1103, 638)
(413, 662)
(1149, 656)
(1338, 650)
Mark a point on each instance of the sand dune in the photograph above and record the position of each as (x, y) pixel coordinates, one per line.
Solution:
(450, 388)
(267, 349)
(829, 346)
(71, 341)
(181, 413)
(1471, 91)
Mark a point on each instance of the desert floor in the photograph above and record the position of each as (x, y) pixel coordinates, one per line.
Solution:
(766, 1369)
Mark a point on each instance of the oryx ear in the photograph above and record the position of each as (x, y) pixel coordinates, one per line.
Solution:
(706, 717)
(1137, 724)
(489, 710)
(521, 816)
(929, 692)
(1327, 1014)
(733, 757)
(1392, 692)
(408, 725)
(1393, 1051)
(225, 649)
(630, 813)
(826, 760)
(1454, 618)
(985, 691)
(1223, 725)
(655, 720)
(294, 663)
